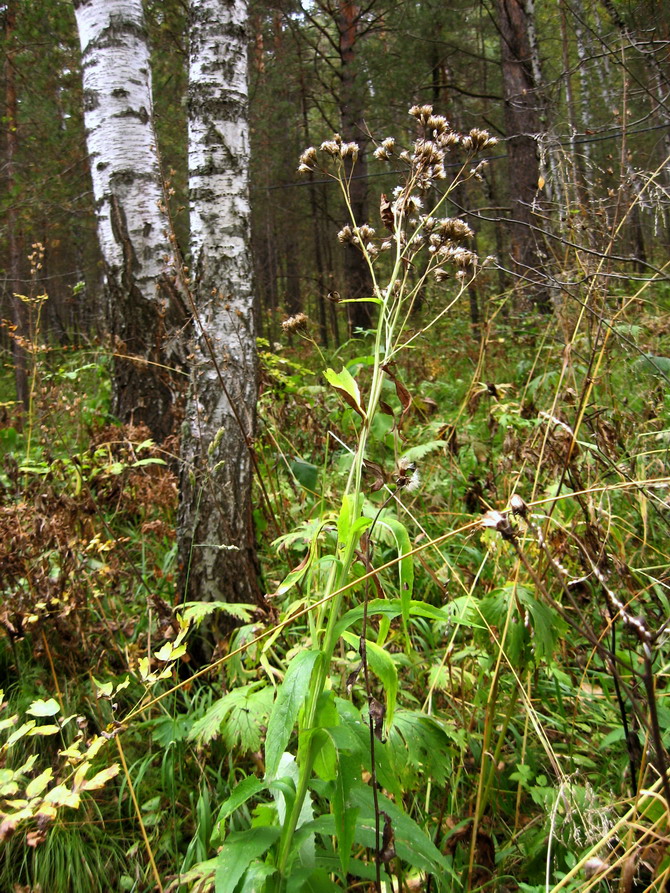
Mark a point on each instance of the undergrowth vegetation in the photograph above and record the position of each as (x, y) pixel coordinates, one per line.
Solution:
(459, 683)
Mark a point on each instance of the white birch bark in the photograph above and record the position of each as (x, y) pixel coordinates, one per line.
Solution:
(215, 528)
(133, 227)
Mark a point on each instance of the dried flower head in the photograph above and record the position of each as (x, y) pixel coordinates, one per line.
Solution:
(479, 139)
(438, 124)
(308, 159)
(407, 476)
(346, 235)
(461, 257)
(499, 521)
(297, 323)
(454, 229)
(422, 112)
(384, 151)
(349, 150)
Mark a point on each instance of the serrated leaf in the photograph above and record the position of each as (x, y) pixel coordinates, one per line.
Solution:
(418, 452)
(44, 708)
(239, 850)
(288, 702)
(195, 612)
(237, 717)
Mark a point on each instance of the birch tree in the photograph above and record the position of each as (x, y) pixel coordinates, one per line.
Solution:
(144, 308)
(215, 527)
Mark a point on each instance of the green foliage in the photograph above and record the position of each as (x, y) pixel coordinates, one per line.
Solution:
(237, 716)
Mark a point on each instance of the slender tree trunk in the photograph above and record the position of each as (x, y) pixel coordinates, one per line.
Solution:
(316, 220)
(522, 125)
(216, 537)
(19, 316)
(145, 311)
(358, 282)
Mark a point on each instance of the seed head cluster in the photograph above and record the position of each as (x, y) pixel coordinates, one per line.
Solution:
(426, 161)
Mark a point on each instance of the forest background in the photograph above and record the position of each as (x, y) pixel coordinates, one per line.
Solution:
(450, 672)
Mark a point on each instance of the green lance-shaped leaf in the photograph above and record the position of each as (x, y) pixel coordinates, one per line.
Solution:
(250, 787)
(405, 565)
(345, 385)
(350, 523)
(290, 698)
(344, 813)
(382, 665)
(239, 850)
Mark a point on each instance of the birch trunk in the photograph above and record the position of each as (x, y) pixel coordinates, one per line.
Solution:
(217, 548)
(144, 309)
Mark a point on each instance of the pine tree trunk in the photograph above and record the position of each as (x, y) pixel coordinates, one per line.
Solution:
(19, 316)
(358, 282)
(521, 124)
(144, 309)
(216, 538)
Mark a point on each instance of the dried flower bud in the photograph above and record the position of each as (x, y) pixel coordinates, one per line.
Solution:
(346, 235)
(498, 521)
(330, 147)
(481, 139)
(297, 323)
(349, 150)
(440, 274)
(437, 123)
(365, 232)
(449, 140)
(308, 157)
(518, 505)
(454, 229)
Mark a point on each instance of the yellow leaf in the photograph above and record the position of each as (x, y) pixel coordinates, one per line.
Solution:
(62, 796)
(540, 183)
(95, 745)
(37, 785)
(164, 652)
(80, 775)
(44, 730)
(100, 779)
(49, 812)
